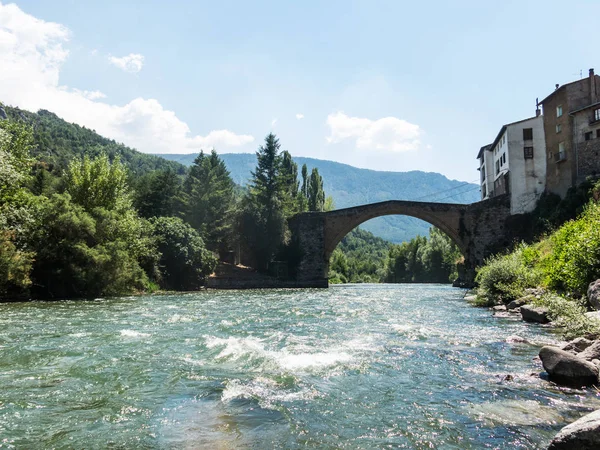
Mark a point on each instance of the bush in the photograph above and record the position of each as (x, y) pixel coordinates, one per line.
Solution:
(184, 262)
(505, 277)
(569, 315)
(83, 255)
(574, 260)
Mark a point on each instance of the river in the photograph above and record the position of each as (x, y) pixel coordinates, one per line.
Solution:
(356, 366)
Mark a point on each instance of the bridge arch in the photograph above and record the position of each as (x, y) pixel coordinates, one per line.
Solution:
(478, 229)
(340, 222)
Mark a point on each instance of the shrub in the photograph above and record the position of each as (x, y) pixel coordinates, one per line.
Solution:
(574, 260)
(569, 315)
(184, 262)
(505, 277)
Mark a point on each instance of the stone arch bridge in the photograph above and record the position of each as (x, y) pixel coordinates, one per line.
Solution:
(479, 230)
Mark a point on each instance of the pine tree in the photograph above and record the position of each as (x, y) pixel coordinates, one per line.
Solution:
(264, 225)
(210, 199)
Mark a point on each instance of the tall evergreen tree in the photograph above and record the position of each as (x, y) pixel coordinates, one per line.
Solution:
(289, 174)
(158, 194)
(316, 195)
(264, 226)
(210, 200)
(304, 180)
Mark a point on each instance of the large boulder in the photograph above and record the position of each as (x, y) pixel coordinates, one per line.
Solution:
(591, 352)
(583, 434)
(536, 314)
(593, 294)
(566, 368)
(577, 345)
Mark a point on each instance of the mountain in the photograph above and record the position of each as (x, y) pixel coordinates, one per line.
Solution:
(56, 142)
(350, 186)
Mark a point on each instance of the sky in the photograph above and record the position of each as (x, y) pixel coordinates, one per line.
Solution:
(384, 85)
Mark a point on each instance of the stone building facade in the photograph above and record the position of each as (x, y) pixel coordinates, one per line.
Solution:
(572, 133)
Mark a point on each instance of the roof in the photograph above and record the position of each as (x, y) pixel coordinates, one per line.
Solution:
(483, 149)
(504, 127)
(585, 107)
(586, 79)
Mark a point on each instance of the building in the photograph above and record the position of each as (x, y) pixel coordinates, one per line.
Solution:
(572, 133)
(515, 164)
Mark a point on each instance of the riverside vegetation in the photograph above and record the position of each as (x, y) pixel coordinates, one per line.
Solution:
(84, 216)
(559, 266)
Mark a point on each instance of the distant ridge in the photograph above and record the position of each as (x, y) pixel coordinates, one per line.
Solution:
(351, 186)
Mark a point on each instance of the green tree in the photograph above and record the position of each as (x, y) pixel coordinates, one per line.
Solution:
(263, 221)
(94, 183)
(316, 195)
(78, 255)
(184, 262)
(210, 200)
(158, 194)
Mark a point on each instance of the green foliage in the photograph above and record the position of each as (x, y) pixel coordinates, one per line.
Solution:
(263, 223)
(316, 195)
(15, 143)
(98, 183)
(15, 266)
(83, 255)
(184, 261)
(58, 142)
(423, 260)
(569, 316)
(574, 259)
(210, 200)
(158, 194)
(504, 278)
(358, 258)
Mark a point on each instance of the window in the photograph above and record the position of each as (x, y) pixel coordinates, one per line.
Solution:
(497, 167)
(559, 111)
(561, 155)
(598, 133)
(528, 152)
(588, 136)
(503, 158)
(527, 134)
(558, 127)
(597, 114)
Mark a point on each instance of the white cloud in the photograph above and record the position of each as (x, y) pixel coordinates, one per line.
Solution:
(388, 133)
(91, 95)
(273, 122)
(131, 63)
(32, 53)
(299, 116)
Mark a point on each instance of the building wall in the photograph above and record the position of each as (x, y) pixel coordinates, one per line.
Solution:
(487, 182)
(581, 156)
(559, 174)
(527, 176)
(587, 153)
(500, 157)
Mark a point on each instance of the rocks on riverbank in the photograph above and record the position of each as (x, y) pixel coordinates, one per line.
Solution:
(583, 434)
(568, 368)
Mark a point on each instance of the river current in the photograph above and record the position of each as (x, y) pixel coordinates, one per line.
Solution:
(357, 366)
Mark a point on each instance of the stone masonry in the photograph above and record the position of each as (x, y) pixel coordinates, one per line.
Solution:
(479, 230)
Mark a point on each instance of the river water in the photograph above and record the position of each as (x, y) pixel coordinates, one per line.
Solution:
(358, 366)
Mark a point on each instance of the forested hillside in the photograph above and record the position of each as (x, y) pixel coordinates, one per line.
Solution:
(57, 142)
(350, 186)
